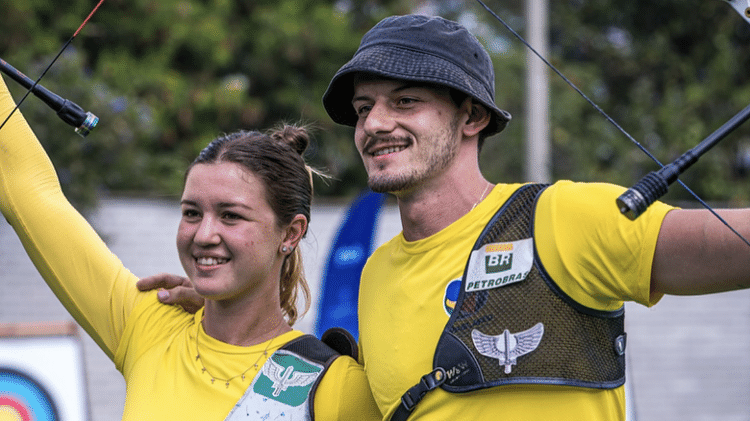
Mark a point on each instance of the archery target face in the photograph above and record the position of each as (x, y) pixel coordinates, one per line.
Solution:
(42, 379)
(24, 399)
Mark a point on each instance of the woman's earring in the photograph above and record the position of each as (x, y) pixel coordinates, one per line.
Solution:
(283, 249)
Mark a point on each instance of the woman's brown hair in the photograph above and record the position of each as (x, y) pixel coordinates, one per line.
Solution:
(276, 157)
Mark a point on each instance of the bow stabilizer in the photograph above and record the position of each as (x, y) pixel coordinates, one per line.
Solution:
(654, 185)
(68, 111)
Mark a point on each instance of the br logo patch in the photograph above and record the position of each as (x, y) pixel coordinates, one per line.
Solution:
(498, 264)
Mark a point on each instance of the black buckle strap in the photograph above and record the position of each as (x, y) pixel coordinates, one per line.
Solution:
(411, 398)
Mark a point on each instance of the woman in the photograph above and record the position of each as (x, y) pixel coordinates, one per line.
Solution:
(245, 207)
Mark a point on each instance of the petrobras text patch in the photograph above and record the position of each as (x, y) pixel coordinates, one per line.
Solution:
(498, 264)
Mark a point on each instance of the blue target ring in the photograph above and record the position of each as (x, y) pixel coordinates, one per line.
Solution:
(24, 397)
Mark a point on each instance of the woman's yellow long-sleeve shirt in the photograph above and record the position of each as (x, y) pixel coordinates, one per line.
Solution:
(152, 345)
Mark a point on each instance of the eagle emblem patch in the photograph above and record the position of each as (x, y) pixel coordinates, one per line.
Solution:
(507, 347)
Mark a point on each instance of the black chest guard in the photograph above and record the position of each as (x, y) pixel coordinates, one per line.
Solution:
(513, 325)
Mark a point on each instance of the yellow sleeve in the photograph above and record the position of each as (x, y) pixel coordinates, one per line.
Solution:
(596, 255)
(344, 394)
(85, 276)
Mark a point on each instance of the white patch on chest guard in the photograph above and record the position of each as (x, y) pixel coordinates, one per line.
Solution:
(498, 264)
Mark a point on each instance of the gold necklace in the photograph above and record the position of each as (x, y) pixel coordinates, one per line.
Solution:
(482, 196)
(204, 369)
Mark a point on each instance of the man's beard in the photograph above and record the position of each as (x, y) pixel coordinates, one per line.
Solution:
(436, 162)
(385, 184)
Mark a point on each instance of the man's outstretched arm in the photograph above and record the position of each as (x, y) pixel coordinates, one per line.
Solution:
(697, 254)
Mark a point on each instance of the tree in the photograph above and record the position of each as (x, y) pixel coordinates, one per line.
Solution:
(167, 76)
(669, 72)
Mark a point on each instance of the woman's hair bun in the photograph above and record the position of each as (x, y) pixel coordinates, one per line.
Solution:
(297, 137)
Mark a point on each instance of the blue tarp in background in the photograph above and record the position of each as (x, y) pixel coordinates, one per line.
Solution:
(349, 252)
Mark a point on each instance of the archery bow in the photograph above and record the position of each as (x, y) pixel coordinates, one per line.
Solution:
(68, 111)
(635, 200)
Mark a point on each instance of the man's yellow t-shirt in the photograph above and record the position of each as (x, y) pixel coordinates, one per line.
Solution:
(408, 290)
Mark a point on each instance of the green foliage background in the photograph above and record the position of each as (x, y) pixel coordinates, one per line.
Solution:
(167, 76)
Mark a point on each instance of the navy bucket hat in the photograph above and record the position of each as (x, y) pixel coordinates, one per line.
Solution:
(421, 49)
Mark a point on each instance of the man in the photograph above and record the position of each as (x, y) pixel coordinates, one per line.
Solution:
(419, 93)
